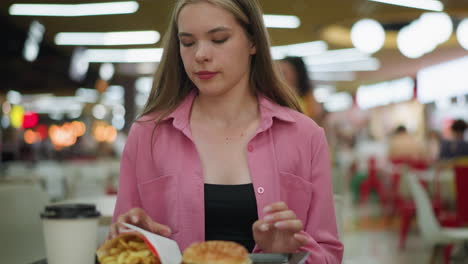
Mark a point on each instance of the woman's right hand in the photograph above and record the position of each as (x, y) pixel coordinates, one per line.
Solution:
(137, 217)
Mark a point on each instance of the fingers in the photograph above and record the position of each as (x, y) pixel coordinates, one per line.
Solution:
(113, 232)
(275, 207)
(289, 225)
(260, 226)
(159, 229)
(280, 216)
(138, 217)
(301, 239)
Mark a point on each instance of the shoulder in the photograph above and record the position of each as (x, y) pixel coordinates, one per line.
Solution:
(301, 123)
(145, 123)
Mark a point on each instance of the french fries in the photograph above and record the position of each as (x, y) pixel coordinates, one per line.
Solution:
(129, 249)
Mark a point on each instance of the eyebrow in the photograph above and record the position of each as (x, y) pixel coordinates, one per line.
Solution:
(212, 31)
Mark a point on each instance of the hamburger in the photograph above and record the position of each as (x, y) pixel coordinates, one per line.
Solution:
(216, 252)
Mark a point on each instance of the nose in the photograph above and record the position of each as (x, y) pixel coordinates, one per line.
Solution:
(202, 53)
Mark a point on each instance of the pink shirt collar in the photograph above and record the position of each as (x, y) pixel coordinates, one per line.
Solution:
(268, 111)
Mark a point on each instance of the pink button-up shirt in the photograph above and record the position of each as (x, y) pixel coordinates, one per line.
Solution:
(288, 159)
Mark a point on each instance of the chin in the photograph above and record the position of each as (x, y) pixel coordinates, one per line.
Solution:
(212, 90)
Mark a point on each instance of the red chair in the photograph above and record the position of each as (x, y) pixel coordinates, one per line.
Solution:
(461, 182)
(406, 208)
(372, 183)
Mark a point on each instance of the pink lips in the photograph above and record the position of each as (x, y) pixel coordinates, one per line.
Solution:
(206, 75)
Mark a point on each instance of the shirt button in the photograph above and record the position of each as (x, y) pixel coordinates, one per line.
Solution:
(250, 148)
(260, 190)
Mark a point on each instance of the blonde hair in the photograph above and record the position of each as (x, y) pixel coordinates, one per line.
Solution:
(171, 83)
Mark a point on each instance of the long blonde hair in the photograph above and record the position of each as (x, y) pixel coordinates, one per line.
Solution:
(171, 83)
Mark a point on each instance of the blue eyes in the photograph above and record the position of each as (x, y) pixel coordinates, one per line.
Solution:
(216, 41)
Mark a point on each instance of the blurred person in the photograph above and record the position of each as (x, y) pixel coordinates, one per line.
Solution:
(405, 147)
(10, 145)
(457, 147)
(221, 151)
(433, 145)
(296, 75)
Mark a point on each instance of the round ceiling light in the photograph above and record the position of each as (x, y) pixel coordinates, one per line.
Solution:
(424, 34)
(440, 25)
(462, 33)
(106, 71)
(408, 44)
(368, 35)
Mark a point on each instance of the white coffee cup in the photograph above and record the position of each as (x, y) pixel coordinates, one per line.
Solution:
(70, 233)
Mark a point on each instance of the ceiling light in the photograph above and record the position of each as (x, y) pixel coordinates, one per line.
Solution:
(79, 64)
(332, 76)
(106, 71)
(280, 21)
(124, 55)
(107, 38)
(299, 50)
(369, 64)
(424, 34)
(439, 24)
(144, 85)
(322, 92)
(14, 97)
(99, 111)
(338, 102)
(409, 44)
(336, 56)
(33, 41)
(445, 80)
(462, 33)
(87, 95)
(384, 93)
(74, 10)
(368, 35)
(431, 5)
(118, 110)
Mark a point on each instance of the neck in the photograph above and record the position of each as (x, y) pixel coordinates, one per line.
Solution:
(227, 110)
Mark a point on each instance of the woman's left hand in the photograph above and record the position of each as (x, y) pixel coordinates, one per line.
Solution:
(279, 231)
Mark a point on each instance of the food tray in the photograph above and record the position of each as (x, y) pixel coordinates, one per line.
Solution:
(268, 258)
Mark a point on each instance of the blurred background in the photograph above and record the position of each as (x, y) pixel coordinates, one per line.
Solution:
(387, 79)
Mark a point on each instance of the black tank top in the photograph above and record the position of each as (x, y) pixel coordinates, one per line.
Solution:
(230, 211)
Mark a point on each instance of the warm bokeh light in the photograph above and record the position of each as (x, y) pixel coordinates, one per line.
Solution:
(42, 130)
(16, 116)
(30, 119)
(79, 128)
(6, 107)
(31, 137)
(103, 132)
(62, 136)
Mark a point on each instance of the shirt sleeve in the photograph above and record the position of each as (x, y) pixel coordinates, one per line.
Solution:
(324, 245)
(127, 194)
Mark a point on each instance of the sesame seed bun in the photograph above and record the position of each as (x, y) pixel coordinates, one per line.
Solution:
(216, 252)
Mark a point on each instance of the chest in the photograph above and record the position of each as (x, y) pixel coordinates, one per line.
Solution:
(223, 154)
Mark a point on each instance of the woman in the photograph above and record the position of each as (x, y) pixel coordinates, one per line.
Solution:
(216, 153)
(296, 76)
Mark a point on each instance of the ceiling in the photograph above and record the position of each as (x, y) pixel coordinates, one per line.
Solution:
(317, 19)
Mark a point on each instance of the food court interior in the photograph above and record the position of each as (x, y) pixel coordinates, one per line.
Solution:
(388, 81)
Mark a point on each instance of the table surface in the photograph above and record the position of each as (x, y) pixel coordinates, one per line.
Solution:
(297, 258)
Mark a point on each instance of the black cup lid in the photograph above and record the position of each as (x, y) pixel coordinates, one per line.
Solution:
(70, 211)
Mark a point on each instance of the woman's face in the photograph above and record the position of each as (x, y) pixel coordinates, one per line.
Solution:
(215, 49)
(289, 73)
